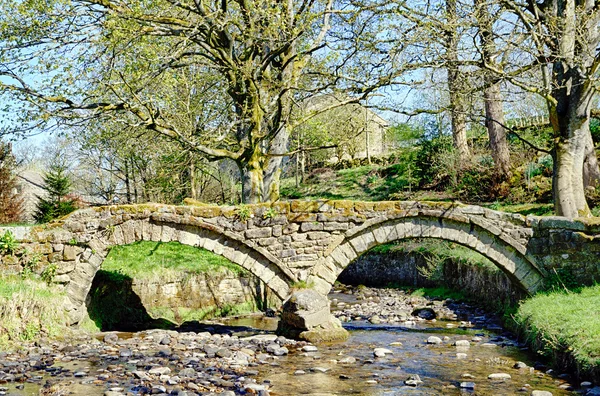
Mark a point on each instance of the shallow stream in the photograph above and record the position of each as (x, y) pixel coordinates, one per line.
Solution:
(343, 368)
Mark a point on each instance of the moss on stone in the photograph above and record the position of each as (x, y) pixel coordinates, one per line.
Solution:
(206, 211)
(194, 202)
(384, 206)
(345, 204)
(324, 335)
(306, 206)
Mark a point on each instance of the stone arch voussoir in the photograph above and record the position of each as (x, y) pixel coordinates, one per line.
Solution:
(520, 268)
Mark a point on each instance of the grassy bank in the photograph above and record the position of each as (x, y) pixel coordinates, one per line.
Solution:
(158, 260)
(29, 310)
(565, 327)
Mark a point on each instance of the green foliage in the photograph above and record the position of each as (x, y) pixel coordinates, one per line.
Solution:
(543, 166)
(29, 309)
(56, 204)
(244, 212)
(270, 213)
(430, 166)
(8, 243)
(595, 129)
(404, 135)
(299, 285)
(476, 184)
(31, 262)
(440, 293)
(49, 273)
(561, 279)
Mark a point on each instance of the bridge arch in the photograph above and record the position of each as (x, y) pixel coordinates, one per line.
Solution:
(254, 259)
(508, 256)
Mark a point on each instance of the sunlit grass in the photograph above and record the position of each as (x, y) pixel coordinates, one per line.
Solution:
(158, 260)
(29, 309)
(565, 321)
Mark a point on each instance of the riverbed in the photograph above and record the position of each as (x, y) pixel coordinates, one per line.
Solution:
(461, 351)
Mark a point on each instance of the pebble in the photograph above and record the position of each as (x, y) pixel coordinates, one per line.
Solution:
(381, 352)
(347, 360)
(434, 340)
(462, 343)
(467, 385)
(159, 370)
(541, 393)
(309, 348)
(413, 380)
(499, 376)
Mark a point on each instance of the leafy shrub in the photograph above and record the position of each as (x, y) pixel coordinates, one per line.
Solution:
(244, 212)
(8, 243)
(431, 168)
(49, 273)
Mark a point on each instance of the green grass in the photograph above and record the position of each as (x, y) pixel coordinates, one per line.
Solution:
(536, 209)
(29, 309)
(158, 260)
(439, 292)
(565, 323)
(358, 183)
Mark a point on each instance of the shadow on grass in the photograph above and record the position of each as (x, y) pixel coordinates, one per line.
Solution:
(114, 306)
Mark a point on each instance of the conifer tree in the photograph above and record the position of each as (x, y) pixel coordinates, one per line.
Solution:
(11, 203)
(56, 203)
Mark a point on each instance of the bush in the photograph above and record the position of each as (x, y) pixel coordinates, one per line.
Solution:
(431, 167)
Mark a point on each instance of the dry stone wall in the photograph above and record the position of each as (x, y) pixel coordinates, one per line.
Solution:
(313, 241)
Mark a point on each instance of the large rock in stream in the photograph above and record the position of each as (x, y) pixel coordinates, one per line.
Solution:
(306, 316)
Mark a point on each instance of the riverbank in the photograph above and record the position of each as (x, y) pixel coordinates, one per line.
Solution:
(564, 326)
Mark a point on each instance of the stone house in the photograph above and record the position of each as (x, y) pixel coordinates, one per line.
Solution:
(352, 127)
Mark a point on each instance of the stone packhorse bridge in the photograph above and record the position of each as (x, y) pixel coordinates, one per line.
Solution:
(313, 241)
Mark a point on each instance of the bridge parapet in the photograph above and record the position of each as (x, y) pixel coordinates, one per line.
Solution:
(284, 242)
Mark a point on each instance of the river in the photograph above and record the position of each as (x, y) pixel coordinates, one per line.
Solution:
(122, 363)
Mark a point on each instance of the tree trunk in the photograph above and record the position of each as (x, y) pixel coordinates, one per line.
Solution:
(193, 191)
(570, 121)
(591, 170)
(455, 86)
(252, 175)
(494, 109)
(494, 121)
(569, 193)
(273, 169)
